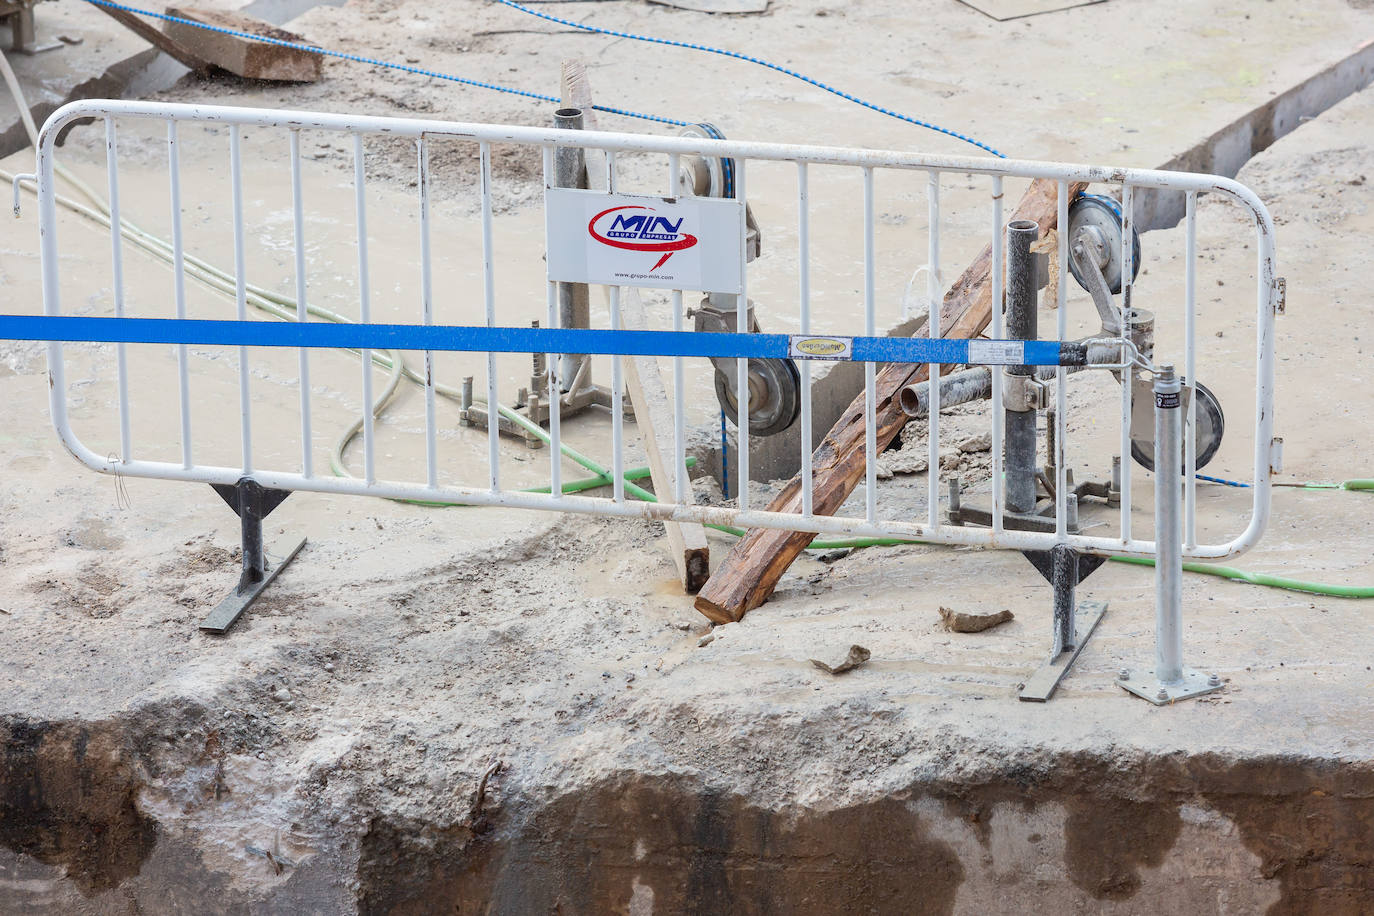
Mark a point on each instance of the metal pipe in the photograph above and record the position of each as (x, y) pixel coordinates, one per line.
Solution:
(1168, 543)
(959, 388)
(1021, 325)
(574, 302)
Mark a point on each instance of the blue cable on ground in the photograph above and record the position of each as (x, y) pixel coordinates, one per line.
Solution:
(372, 61)
(1221, 480)
(615, 33)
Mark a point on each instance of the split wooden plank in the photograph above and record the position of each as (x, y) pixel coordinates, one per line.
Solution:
(753, 568)
(654, 418)
(649, 395)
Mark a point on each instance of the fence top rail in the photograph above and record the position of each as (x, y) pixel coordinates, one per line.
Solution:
(549, 136)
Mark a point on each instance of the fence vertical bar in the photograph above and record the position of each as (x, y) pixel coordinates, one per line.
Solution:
(870, 394)
(427, 311)
(679, 378)
(934, 288)
(489, 300)
(1061, 397)
(302, 308)
(804, 294)
(179, 288)
(1128, 373)
(117, 277)
(998, 267)
(241, 293)
(364, 303)
(1190, 370)
(617, 377)
(742, 327)
(553, 363)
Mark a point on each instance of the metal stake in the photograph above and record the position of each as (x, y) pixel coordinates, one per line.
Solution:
(1172, 681)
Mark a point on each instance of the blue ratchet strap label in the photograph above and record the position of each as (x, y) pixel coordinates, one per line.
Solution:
(997, 352)
(809, 346)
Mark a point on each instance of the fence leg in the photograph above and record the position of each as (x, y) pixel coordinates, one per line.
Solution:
(1074, 621)
(253, 503)
(1171, 682)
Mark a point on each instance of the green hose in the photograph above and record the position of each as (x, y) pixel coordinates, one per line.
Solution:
(1292, 585)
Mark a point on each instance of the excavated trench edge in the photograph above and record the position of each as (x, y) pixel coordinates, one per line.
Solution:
(69, 798)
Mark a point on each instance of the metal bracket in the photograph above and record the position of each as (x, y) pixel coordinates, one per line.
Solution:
(1024, 392)
(252, 502)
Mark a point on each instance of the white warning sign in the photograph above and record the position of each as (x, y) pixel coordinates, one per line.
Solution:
(690, 243)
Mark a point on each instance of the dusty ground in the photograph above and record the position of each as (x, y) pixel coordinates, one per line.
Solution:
(346, 725)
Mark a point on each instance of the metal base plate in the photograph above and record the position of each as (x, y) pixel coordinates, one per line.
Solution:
(1148, 687)
(228, 611)
(1041, 685)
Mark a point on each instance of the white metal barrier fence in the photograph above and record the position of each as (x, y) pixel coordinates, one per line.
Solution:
(745, 513)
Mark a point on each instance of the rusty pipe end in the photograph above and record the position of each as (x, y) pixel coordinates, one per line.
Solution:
(911, 402)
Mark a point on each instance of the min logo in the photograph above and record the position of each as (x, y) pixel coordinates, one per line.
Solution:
(640, 232)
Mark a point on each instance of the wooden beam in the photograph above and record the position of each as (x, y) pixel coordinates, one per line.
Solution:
(654, 418)
(754, 567)
(648, 394)
(157, 39)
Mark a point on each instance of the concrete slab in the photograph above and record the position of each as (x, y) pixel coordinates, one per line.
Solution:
(350, 725)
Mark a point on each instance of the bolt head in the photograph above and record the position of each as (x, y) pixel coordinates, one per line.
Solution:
(1125, 674)
(1213, 680)
(1163, 694)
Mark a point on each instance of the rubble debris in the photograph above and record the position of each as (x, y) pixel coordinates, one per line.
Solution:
(833, 555)
(856, 656)
(962, 622)
(974, 444)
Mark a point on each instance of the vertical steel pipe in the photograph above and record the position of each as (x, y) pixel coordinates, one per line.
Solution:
(1168, 528)
(1021, 325)
(570, 171)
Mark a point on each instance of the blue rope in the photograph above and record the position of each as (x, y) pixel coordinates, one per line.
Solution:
(449, 77)
(372, 61)
(762, 63)
(1221, 480)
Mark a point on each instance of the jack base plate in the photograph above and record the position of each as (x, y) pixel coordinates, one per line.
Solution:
(1192, 684)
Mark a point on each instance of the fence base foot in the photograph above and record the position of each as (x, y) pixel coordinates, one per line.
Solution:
(228, 611)
(1041, 685)
(1191, 684)
(252, 502)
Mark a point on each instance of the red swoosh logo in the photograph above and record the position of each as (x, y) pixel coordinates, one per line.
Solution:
(669, 248)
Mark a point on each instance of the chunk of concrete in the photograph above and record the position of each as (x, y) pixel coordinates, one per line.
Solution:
(855, 657)
(960, 622)
(243, 56)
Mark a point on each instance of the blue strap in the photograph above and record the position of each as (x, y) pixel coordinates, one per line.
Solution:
(519, 340)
